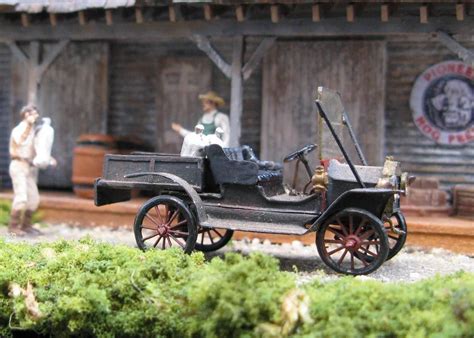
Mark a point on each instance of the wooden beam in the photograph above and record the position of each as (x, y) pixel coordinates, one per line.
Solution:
(460, 12)
(82, 18)
(138, 15)
(108, 17)
(165, 30)
(257, 56)
(53, 19)
(25, 20)
(236, 91)
(33, 72)
(424, 14)
(275, 13)
(172, 13)
(350, 13)
(462, 52)
(204, 44)
(316, 11)
(240, 13)
(207, 12)
(17, 51)
(384, 12)
(52, 55)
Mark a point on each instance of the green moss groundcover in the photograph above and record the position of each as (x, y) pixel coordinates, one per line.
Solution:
(88, 289)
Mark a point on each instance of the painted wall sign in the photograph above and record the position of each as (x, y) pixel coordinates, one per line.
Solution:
(442, 103)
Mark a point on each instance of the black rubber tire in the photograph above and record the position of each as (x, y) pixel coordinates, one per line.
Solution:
(400, 241)
(216, 245)
(369, 223)
(184, 213)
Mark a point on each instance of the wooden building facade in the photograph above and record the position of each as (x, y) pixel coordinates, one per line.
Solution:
(129, 68)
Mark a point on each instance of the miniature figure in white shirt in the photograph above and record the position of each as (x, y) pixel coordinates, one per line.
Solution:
(211, 119)
(24, 148)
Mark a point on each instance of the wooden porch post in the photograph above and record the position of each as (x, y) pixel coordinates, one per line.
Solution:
(33, 72)
(236, 93)
(237, 73)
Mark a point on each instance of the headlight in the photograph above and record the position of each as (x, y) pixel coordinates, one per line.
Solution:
(405, 182)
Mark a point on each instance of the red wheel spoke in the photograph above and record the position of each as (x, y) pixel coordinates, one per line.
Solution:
(176, 240)
(147, 238)
(342, 257)
(351, 222)
(334, 241)
(217, 232)
(393, 237)
(169, 242)
(367, 234)
(343, 228)
(157, 241)
(352, 261)
(157, 210)
(335, 250)
(177, 232)
(210, 236)
(360, 257)
(183, 222)
(146, 227)
(370, 252)
(175, 214)
(152, 220)
(202, 238)
(335, 232)
(360, 227)
(164, 244)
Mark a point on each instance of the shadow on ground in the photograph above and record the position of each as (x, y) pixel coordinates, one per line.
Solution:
(292, 264)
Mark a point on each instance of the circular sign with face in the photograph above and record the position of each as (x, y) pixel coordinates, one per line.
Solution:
(442, 103)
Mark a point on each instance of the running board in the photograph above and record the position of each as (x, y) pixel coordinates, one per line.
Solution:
(269, 228)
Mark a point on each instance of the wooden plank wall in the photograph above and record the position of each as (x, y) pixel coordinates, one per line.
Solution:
(292, 72)
(420, 155)
(73, 93)
(133, 69)
(179, 81)
(5, 124)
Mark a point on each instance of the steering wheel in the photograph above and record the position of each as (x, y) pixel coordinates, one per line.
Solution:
(300, 153)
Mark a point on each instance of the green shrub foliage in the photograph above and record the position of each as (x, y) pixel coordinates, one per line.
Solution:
(85, 288)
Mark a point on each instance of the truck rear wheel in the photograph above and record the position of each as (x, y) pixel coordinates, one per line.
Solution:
(164, 222)
(211, 239)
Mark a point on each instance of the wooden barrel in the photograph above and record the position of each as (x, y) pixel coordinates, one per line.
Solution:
(88, 161)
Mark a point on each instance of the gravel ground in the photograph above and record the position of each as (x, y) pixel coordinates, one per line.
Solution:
(409, 265)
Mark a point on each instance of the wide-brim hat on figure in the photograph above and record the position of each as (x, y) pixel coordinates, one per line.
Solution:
(212, 96)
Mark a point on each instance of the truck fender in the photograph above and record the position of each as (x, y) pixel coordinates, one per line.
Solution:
(372, 200)
(193, 195)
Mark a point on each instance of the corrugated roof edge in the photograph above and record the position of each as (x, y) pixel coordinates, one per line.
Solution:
(64, 6)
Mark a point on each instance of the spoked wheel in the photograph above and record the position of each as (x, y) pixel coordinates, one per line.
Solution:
(211, 239)
(347, 238)
(164, 222)
(397, 238)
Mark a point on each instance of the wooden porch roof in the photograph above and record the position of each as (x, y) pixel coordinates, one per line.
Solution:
(68, 6)
(63, 6)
